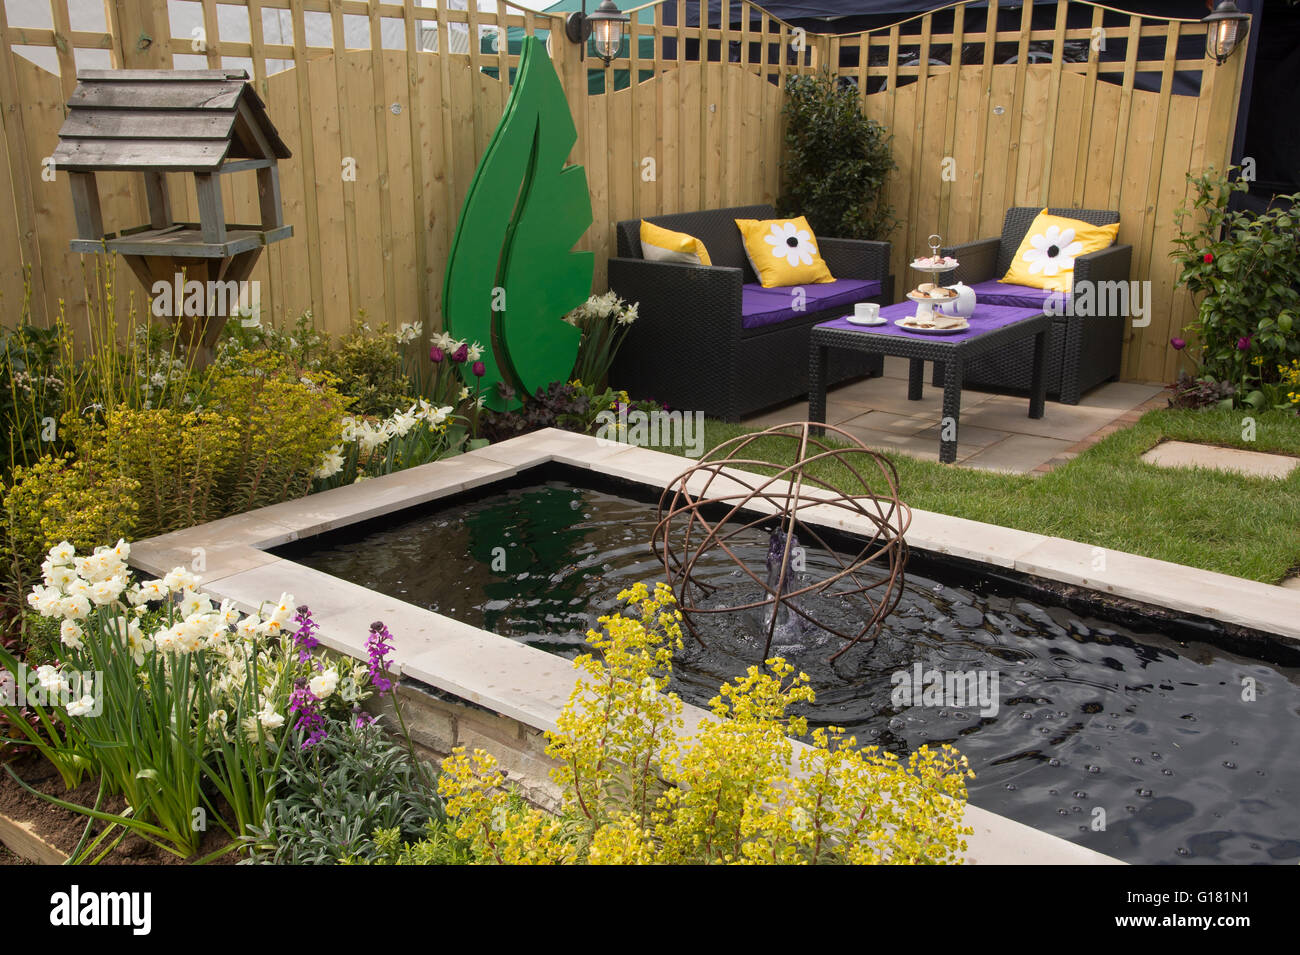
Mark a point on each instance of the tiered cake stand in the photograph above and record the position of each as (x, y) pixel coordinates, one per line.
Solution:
(924, 304)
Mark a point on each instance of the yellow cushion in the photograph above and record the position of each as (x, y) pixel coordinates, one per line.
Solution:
(1046, 257)
(783, 252)
(664, 245)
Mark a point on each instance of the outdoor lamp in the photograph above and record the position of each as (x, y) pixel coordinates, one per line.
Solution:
(605, 26)
(1227, 27)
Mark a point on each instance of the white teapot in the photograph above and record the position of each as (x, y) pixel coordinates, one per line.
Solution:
(963, 306)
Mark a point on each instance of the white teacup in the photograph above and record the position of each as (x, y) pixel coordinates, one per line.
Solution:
(869, 311)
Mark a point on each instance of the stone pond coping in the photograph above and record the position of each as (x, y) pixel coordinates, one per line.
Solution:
(531, 687)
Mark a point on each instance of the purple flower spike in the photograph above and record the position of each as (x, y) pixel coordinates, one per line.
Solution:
(304, 637)
(304, 705)
(378, 646)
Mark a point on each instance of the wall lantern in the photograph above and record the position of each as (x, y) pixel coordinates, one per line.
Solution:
(1227, 27)
(604, 27)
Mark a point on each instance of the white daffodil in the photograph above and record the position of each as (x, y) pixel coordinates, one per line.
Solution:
(106, 592)
(331, 465)
(444, 341)
(371, 437)
(280, 615)
(45, 600)
(180, 579)
(59, 577)
(147, 592)
(464, 394)
(137, 643)
(475, 352)
(227, 614)
(71, 634)
(248, 628)
(1052, 251)
(323, 684)
(77, 588)
(74, 607)
(194, 603)
(82, 706)
(791, 243)
(62, 553)
(51, 680)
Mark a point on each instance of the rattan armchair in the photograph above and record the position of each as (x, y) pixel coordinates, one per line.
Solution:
(1082, 351)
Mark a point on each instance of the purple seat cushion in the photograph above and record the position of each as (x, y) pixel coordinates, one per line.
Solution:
(767, 306)
(994, 292)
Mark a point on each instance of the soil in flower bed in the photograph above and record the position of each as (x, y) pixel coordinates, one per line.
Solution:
(63, 828)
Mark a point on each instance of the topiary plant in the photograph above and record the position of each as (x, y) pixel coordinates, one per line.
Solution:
(836, 160)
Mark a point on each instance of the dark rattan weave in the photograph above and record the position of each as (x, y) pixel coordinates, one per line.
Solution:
(951, 359)
(687, 347)
(1082, 351)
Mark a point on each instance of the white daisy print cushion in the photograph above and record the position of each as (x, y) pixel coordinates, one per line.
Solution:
(1053, 251)
(1052, 247)
(783, 252)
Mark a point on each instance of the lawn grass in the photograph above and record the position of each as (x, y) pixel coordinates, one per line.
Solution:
(1109, 497)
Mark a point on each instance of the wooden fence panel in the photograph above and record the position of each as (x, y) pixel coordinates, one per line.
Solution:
(414, 118)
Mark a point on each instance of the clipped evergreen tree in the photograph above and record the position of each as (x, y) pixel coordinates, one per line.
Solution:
(836, 160)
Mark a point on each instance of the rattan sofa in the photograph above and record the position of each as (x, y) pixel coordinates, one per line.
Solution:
(711, 339)
(1082, 351)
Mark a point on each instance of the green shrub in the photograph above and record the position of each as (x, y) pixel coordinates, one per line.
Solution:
(80, 499)
(288, 422)
(837, 160)
(1245, 266)
(368, 366)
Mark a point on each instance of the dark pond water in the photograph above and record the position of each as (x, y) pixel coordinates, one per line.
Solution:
(1142, 731)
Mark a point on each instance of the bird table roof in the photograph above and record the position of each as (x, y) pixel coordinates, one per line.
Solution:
(164, 120)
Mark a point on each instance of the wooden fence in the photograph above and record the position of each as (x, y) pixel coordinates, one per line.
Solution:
(388, 107)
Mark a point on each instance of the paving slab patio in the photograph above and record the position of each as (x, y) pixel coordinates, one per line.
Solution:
(996, 432)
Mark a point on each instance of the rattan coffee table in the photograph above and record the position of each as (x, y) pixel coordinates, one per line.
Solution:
(992, 327)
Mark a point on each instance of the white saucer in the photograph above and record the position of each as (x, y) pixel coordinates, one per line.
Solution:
(854, 320)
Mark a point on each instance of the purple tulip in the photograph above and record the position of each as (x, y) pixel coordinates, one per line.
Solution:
(1178, 344)
(461, 353)
(479, 369)
(1243, 343)
(436, 354)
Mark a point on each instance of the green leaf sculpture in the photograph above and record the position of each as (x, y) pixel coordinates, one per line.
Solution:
(511, 276)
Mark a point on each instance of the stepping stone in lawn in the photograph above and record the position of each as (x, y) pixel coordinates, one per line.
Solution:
(1186, 454)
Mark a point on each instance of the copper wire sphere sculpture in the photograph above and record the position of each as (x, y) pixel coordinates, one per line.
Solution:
(723, 484)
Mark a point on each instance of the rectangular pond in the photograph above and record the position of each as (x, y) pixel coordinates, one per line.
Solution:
(1139, 733)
